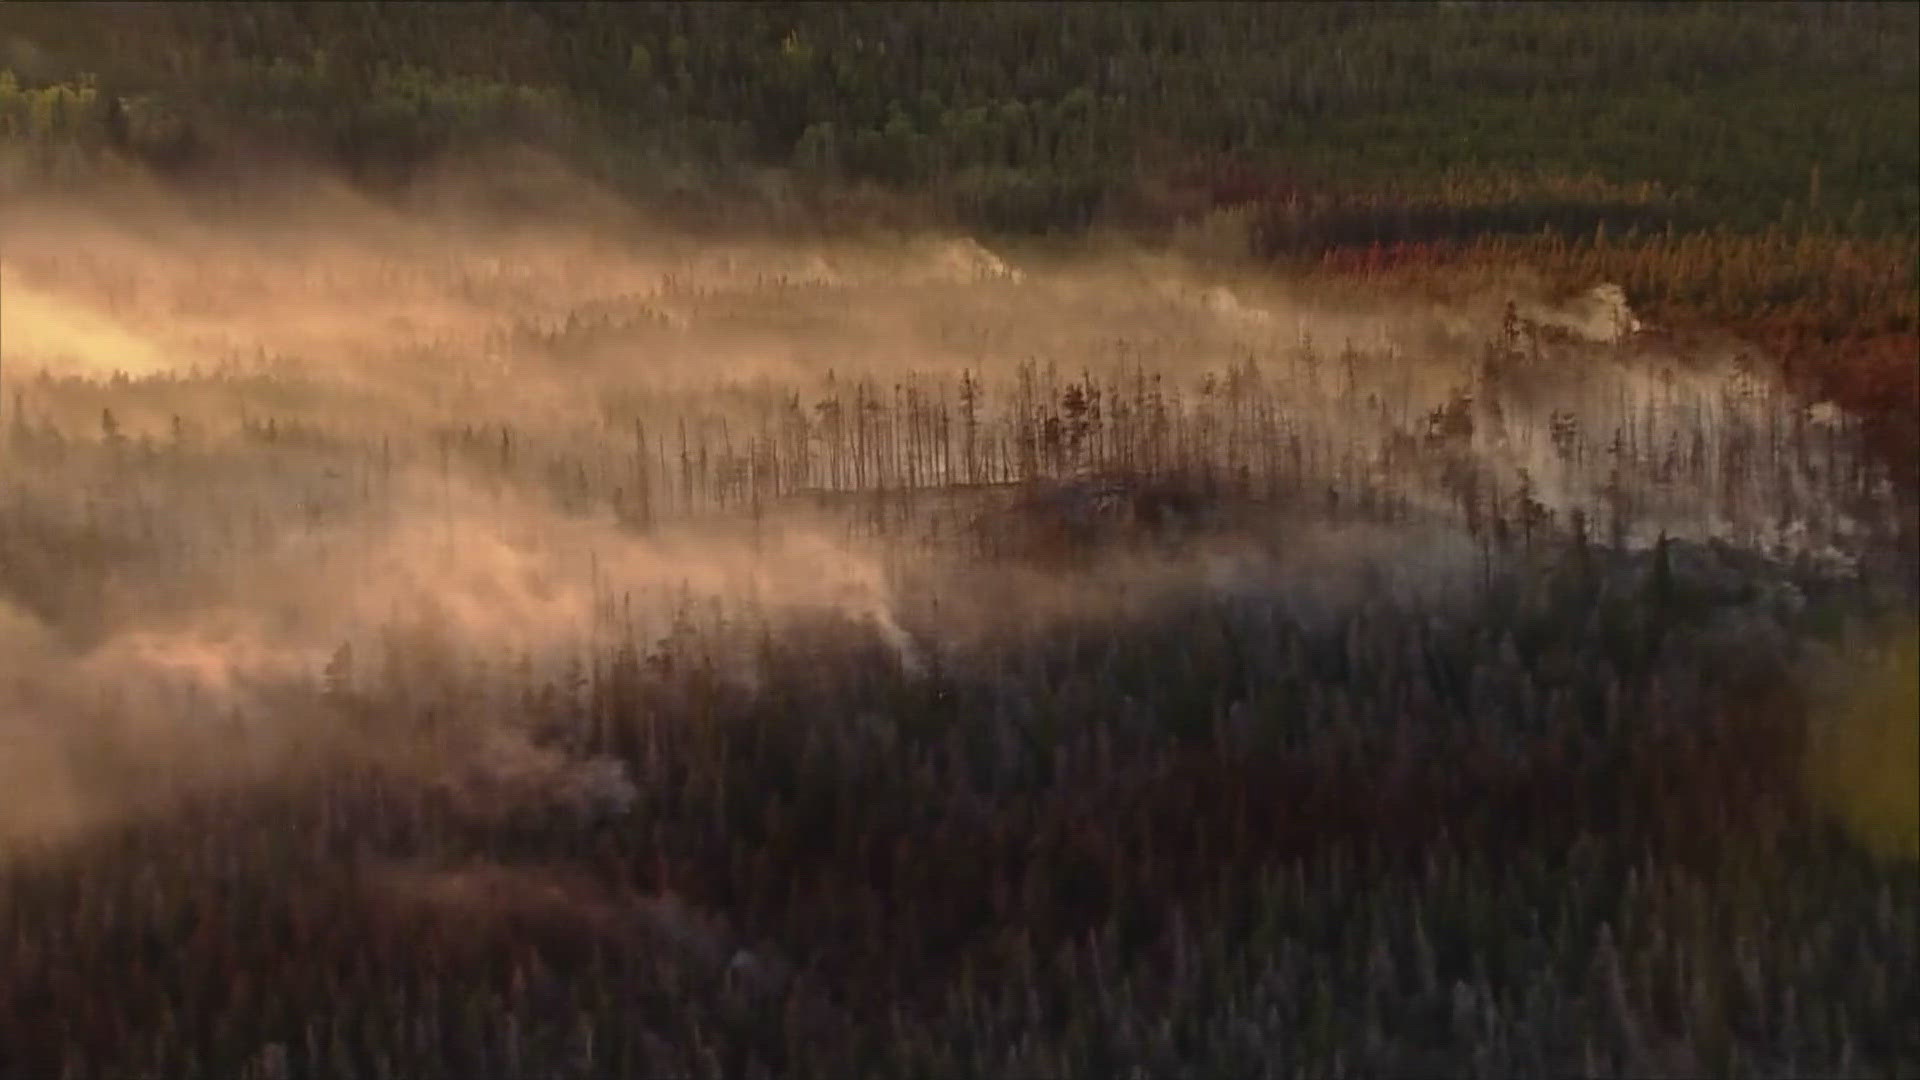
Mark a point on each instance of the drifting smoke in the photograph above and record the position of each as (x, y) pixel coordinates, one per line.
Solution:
(74, 339)
(1600, 314)
(268, 445)
(221, 688)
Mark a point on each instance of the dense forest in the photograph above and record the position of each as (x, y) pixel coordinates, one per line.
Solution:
(1039, 116)
(1001, 539)
(1631, 138)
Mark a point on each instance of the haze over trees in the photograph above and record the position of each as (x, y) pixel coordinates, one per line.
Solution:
(577, 540)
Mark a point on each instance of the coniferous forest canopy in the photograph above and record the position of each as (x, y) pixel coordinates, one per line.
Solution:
(967, 539)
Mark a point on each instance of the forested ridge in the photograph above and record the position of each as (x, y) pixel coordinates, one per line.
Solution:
(1038, 116)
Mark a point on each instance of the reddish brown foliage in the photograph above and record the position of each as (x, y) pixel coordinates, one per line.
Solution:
(1842, 316)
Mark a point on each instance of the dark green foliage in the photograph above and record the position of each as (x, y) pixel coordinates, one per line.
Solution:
(1025, 115)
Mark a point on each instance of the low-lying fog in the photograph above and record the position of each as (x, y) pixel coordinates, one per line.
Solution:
(241, 446)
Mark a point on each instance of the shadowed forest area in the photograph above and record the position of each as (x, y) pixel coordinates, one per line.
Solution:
(761, 539)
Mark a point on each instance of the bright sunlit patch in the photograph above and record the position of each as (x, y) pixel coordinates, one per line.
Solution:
(43, 332)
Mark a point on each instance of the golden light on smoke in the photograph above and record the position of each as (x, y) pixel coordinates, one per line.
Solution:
(63, 338)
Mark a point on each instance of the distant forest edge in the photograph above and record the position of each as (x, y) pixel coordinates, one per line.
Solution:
(1750, 166)
(1040, 117)
(1754, 162)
